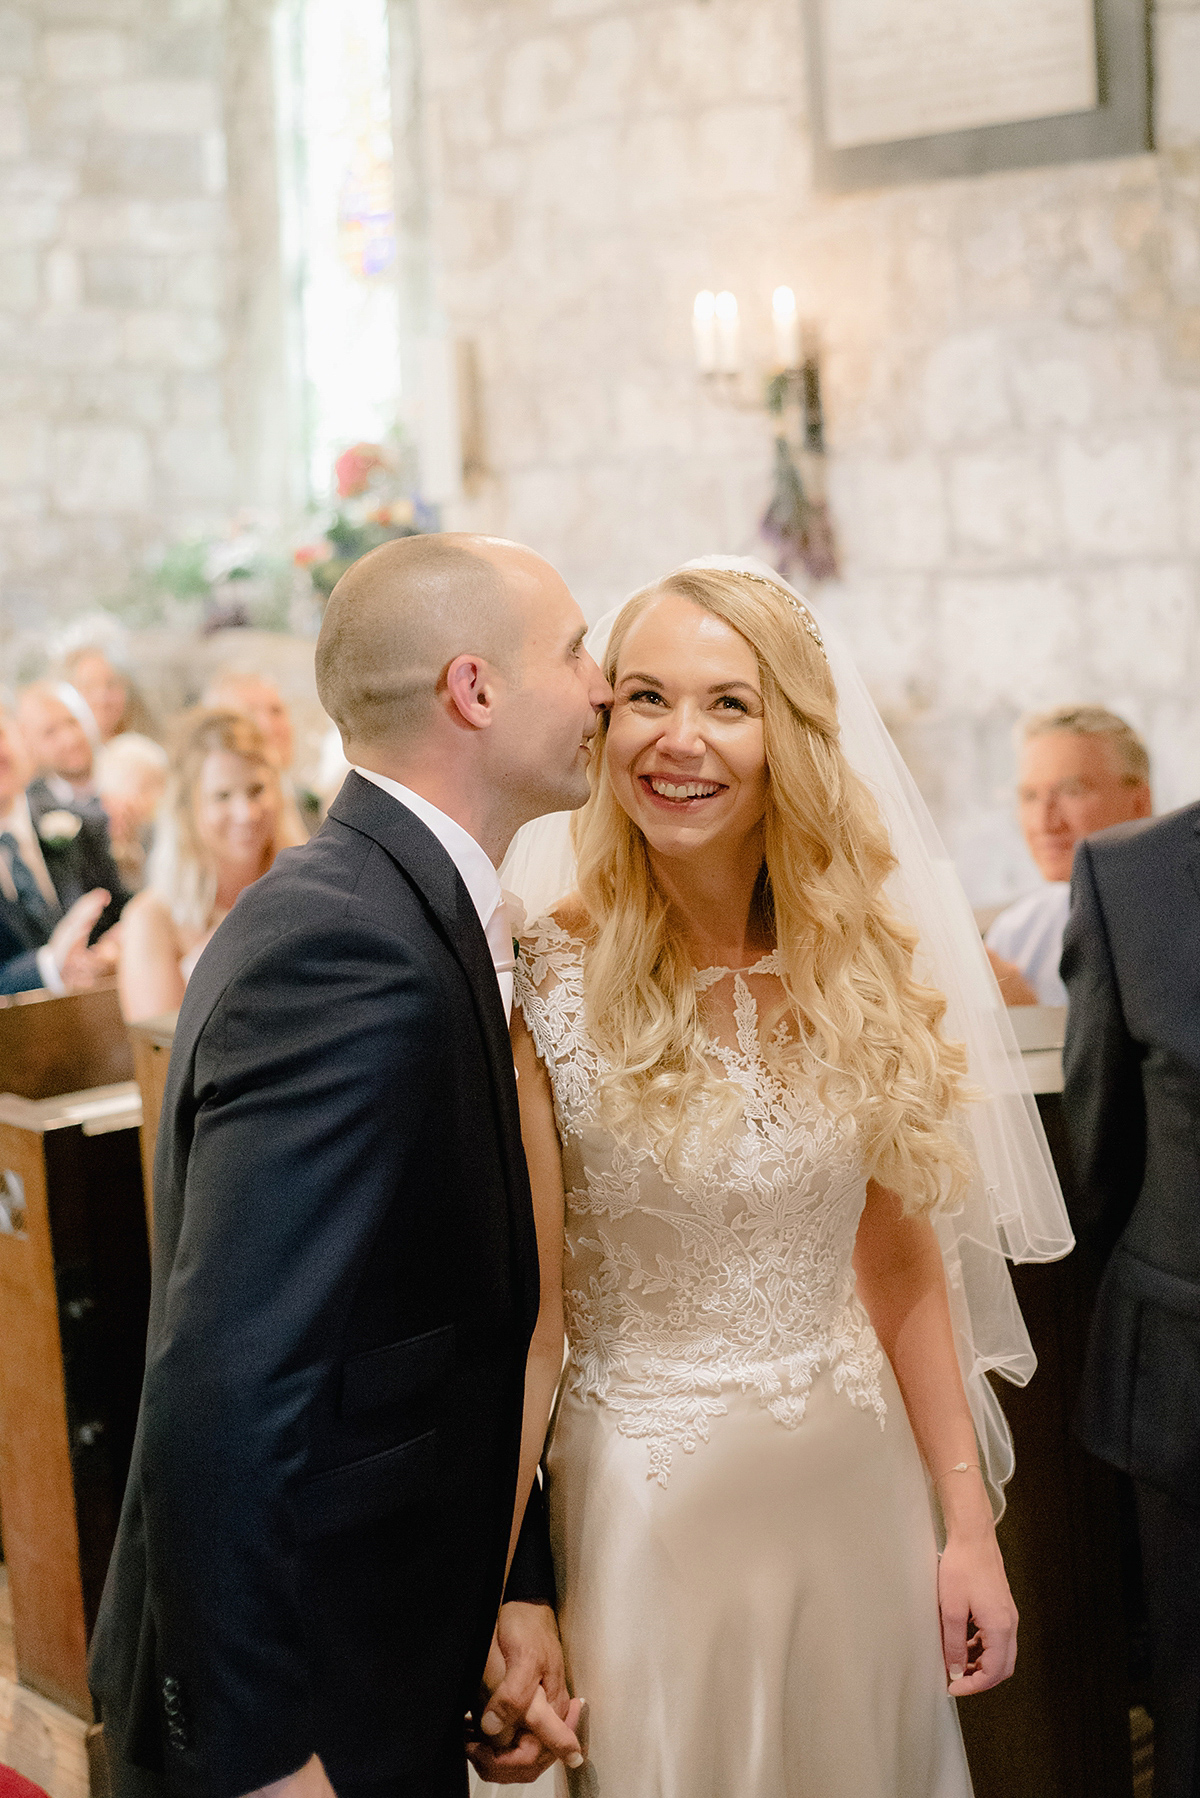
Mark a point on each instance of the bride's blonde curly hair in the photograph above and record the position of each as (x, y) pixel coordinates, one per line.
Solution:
(870, 1031)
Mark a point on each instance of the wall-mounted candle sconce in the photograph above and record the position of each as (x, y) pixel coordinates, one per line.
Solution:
(797, 517)
(717, 341)
(716, 332)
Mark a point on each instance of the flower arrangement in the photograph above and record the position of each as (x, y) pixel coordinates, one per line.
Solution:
(797, 519)
(242, 577)
(373, 507)
(252, 574)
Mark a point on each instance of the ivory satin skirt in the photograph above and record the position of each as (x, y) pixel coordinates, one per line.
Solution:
(766, 1624)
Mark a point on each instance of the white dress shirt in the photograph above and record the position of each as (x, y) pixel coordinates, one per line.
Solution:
(1030, 933)
(478, 876)
(66, 793)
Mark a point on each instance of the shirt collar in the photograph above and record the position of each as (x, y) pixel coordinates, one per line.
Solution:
(18, 819)
(60, 789)
(473, 863)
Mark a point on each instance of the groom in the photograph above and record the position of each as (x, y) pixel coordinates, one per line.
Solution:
(313, 1542)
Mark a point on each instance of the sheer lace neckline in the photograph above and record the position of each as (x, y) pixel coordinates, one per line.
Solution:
(766, 964)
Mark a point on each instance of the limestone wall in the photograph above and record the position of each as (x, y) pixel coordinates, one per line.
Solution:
(123, 302)
(1011, 364)
(1011, 367)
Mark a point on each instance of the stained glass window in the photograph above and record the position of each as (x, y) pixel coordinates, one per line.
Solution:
(339, 227)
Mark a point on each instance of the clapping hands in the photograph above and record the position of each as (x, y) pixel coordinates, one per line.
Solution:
(79, 966)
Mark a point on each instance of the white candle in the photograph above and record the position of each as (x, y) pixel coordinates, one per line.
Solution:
(729, 358)
(787, 328)
(704, 332)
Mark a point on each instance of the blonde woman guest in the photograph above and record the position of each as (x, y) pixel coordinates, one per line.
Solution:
(259, 699)
(217, 832)
(131, 776)
(729, 1066)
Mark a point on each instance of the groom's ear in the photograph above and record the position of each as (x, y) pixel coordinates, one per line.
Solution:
(470, 689)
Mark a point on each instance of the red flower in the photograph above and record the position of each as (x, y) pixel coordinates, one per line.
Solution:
(354, 468)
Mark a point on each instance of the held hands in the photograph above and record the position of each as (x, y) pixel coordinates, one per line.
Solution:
(527, 1718)
(979, 1618)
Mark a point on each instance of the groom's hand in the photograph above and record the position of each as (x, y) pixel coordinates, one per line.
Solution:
(529, 1719)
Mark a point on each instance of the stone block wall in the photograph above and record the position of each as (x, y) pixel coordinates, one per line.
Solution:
(119, 264)
(1011, 367)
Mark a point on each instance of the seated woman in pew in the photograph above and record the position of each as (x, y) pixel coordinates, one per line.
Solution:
(218, 829)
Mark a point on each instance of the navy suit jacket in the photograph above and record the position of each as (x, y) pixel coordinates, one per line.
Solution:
(76, 868)
(83, 864)
(20, 940)
(1131, 963)
(345, 1283)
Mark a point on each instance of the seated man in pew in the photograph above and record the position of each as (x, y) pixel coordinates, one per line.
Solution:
(49, 905)
(79, 858)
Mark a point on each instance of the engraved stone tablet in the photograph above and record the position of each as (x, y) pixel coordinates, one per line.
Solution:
(914, 90)
(911, 68)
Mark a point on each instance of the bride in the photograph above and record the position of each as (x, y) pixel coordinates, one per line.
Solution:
(741, 1114)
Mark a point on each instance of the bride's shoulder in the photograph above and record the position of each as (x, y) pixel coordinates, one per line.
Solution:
(572, 917)
(557, 939)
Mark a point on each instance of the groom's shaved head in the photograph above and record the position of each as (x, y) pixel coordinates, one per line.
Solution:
(400, 616)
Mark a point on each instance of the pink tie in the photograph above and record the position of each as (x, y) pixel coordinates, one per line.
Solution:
(504, 923)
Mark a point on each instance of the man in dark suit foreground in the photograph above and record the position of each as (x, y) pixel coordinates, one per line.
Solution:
(313, 1546)
(1131, 962)
(50, 899)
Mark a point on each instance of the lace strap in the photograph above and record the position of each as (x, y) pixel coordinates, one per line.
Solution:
(548, 987)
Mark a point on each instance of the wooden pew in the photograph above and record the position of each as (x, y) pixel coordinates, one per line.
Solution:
(1060, 1727)
(74, 1295)
(151, 1045)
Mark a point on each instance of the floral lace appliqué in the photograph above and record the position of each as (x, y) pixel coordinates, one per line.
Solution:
(734, 1269)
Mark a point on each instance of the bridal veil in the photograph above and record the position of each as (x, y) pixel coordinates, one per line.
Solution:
(1013, 1208)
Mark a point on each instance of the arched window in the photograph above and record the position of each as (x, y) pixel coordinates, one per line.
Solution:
(337, 197)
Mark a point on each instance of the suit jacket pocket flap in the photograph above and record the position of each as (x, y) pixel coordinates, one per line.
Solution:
(399, 1370)
(363, 1491)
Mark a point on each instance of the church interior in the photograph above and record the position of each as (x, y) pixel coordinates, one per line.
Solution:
(900, 297)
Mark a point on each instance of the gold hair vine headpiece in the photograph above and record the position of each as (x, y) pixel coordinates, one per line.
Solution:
(799, 608)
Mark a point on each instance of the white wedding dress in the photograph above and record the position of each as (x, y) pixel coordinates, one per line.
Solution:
(742, 1526)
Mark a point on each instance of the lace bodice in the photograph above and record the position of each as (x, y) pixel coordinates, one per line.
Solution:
(733, 1268)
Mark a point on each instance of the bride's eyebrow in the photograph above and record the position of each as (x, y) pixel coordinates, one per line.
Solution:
(643, 680)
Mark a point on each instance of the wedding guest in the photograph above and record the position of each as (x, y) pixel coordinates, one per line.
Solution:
(218, 830)
(241, 690)
(62, 742)
(1131, 1099)
(108, 691)
(43, 943)
(1082, 769)
(131, 775)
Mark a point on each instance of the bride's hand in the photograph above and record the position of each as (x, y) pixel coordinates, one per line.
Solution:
(979, 1618)
(528, 1719)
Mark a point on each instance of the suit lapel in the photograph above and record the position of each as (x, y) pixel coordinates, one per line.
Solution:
(365, 807)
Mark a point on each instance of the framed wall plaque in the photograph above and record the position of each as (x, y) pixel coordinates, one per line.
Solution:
(915, 90)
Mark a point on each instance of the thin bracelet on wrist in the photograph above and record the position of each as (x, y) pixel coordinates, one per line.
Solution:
(960, 1467)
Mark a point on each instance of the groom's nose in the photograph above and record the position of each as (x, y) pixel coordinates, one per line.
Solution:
(600, 694)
